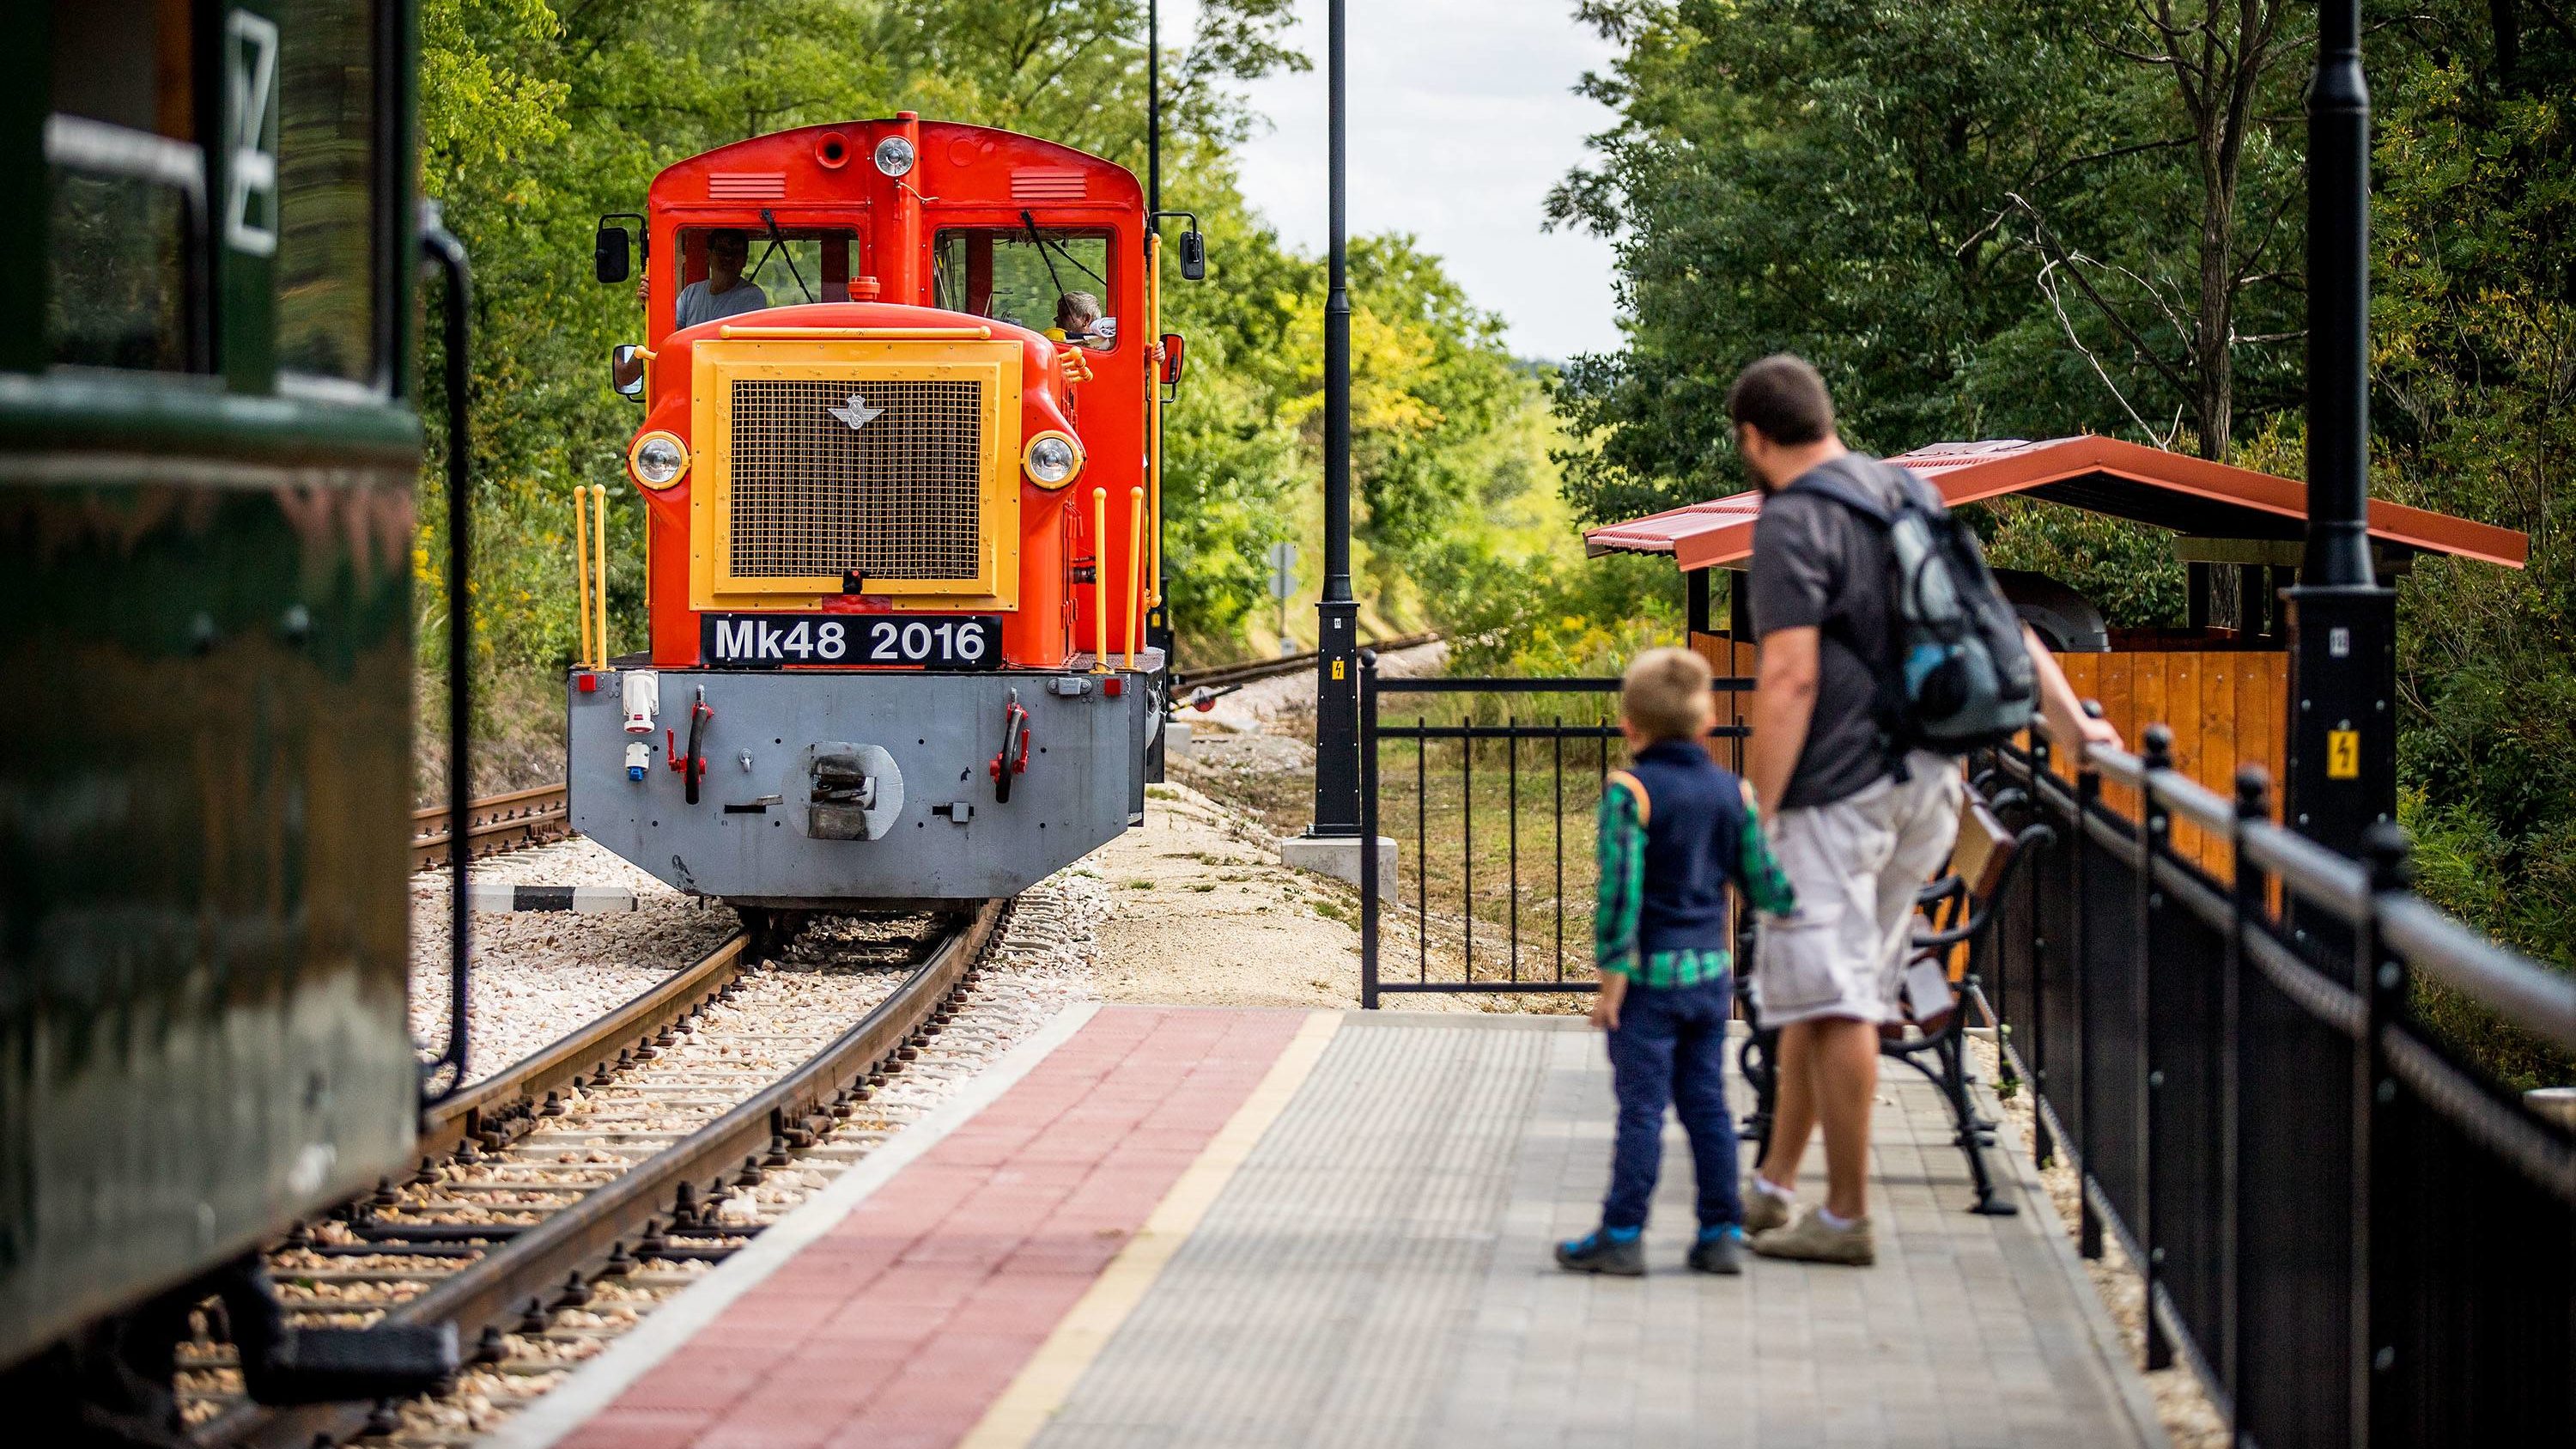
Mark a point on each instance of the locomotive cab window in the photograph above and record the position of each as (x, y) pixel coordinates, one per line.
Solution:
(784, 267)
(1040, 278)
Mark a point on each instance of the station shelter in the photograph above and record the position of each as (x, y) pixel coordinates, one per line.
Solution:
(2220, 681)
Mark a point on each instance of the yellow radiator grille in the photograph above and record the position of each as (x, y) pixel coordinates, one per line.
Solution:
(899, 496)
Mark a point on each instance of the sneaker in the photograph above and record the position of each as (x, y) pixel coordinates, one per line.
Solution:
(1763, 1210)
(1719, 1250)
(1602, 1253)
(1808, 1239)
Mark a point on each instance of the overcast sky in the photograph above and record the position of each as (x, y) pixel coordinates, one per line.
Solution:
(1462, 115)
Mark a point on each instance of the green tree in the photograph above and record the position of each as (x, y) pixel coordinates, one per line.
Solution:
(539, 118)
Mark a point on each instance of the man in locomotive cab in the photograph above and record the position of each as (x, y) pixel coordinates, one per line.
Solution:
(725, 292)
(1077, 315)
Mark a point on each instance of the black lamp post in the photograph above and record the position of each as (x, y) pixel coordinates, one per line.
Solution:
(1153, 107)
(2343, 624)
(1337, 682)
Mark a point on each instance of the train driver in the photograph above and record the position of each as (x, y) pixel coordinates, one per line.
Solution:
(726, 292)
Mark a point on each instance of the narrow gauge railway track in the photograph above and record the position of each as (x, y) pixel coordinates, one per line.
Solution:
(1246, 671)
(493, 824)
(618, 1161)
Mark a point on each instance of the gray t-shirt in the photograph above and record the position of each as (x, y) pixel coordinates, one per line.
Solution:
(1817, 564)
(700, 303)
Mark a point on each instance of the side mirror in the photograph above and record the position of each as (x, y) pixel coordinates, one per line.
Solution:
(609, 261)
(1174, 349)
(1193, 256)
(626, 371)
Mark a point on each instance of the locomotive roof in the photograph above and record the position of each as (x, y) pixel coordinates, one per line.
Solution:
(2102, 475)
(974, 166)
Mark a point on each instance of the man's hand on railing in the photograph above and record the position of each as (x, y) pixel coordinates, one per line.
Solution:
(2069, 724)
(2093, 730)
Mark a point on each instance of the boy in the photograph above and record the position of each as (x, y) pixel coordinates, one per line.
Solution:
(1676, 831)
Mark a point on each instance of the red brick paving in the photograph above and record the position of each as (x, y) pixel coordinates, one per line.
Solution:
(899, 1327)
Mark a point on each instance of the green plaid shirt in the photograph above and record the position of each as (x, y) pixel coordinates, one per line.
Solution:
(1621, 845)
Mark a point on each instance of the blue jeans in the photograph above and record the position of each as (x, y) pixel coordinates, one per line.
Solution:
(1670, 1048)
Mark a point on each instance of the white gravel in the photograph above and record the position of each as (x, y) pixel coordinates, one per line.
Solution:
(539, 974)
(2190, 1420)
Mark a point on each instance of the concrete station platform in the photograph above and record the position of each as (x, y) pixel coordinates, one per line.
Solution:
(1189, 1227)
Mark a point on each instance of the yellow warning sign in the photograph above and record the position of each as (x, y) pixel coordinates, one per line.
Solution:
(1339, 669)
(2343, 754)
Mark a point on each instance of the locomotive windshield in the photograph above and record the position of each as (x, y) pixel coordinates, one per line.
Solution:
(1023, 276)
(789, 264)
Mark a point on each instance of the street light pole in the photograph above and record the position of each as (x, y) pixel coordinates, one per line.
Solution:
(2343, 624)
(1337, 683)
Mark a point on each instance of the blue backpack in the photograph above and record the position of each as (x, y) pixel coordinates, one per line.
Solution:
(1962, 678)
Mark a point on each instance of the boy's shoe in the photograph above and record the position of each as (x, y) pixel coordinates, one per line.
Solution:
(1763, 1210)
(1602, 1253)
(1719, 1250)
(1810, 1239)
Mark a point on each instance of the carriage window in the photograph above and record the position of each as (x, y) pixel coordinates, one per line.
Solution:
(125, 188)
(326, 189)
(1024, 277)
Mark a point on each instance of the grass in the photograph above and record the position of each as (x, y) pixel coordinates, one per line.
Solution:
(518, 739)
(1495, 839)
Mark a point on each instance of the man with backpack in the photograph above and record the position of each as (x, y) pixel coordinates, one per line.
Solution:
(1886, 652)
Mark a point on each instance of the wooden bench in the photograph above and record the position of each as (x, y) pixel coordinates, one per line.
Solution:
(1954, 939)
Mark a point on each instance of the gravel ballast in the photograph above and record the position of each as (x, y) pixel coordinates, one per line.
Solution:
(539, 974)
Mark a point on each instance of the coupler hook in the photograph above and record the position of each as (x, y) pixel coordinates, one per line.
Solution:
(1015, 729)
(691, 767)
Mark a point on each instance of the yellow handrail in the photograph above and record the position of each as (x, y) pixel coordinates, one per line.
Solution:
(1099, 580)
(861, 334)
(599, 542)
(1135, 561)
(581, 566)
(1154, 422)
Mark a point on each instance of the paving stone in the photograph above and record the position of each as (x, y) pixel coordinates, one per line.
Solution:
(1378, 1273)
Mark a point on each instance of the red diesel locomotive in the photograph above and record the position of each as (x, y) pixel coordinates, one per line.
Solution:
(902, 492)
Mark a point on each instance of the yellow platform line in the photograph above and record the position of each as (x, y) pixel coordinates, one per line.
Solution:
(1047, 1379)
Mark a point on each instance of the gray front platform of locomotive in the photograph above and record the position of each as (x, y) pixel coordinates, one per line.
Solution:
(1082, 788)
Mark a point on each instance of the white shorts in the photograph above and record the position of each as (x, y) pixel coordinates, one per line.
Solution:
(1856, 865)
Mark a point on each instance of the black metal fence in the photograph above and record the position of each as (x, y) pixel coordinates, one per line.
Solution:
(2353, 1237)
(1490, 790)
(2350, 1236)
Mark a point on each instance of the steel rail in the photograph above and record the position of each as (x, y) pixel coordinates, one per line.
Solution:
(497, 1290)
(516, 1090)
(494, 824)
(1244, 671)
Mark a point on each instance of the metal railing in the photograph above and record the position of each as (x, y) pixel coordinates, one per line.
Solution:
(2351, 1236)
(1497, 845)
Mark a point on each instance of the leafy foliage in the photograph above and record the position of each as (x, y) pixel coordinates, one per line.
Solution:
(537, 118)
(1985, 219)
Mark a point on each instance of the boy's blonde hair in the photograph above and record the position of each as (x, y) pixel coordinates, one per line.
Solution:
(1665, 694)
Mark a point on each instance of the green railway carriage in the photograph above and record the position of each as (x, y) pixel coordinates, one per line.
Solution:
(208, 454)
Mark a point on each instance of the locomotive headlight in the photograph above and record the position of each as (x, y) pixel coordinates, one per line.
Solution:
(894, 156)
(658, 460)
(1052, 459)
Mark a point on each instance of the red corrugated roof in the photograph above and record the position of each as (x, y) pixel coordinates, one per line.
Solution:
(2105, 475)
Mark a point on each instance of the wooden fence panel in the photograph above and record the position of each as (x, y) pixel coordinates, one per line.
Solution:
(2225, 708)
